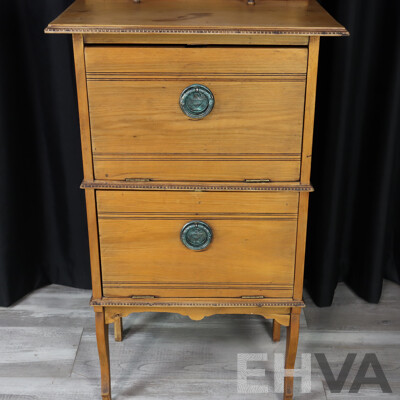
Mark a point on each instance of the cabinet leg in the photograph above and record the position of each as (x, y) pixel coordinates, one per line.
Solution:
(118, 330)
(292, 340)
(104, 355)
(276, 331)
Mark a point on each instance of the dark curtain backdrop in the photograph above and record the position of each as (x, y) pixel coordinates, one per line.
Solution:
(354, 213)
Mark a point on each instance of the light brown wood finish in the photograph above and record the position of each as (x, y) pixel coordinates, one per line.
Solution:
(198, 186)
(300, 246)
(263, 142)
(199, 203)
(269, 17)
(196, 61)
(199, 313)
(309, 113)
(192, 169)
(221, 302)
(120, 101)
(87, 160)
(292, 339)
(139, 130)
(196, 39)
(118, 329)
(104, 355)
(264, 125)
(91, 214)
(80, 68)
(142, 254)
(276, 331)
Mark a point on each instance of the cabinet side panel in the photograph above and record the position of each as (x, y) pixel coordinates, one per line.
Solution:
(91, 211)
(79, 56)
(80, 71)
(312, 71)
(300, 246)
(308, 131)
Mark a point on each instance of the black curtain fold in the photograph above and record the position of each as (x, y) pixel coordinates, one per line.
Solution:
(353, 230)
(43, 235)
(353, 223)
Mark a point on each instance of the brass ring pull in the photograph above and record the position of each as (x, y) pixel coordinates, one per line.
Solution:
(196, 235)
(197, 101)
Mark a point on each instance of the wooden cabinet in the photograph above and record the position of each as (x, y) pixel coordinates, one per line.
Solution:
(196, 126)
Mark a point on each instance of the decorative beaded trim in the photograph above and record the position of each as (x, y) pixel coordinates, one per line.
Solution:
(171, 304)
(194, 31)
(96, 185)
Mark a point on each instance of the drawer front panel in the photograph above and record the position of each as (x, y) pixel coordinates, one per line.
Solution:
(184, 61)
(210, 169)
(139, 130)
(251, 253)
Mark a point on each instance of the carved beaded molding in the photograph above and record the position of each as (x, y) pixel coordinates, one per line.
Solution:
(194, 31)
(172, 304)
(96, 185)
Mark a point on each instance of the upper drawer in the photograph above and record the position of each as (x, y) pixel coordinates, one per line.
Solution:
(195, 61)
(138, 129)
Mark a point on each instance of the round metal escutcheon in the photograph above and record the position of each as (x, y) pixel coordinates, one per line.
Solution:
(196, 235)
(197, 101)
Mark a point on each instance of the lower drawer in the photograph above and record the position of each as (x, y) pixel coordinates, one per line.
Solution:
(248, 238)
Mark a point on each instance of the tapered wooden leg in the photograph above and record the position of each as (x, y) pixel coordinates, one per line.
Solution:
(276, 331)
(118, 330)
(104, 355)
(292, 340)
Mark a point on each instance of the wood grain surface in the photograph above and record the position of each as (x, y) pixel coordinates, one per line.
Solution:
(196, 203)
(269, 17)
(196, 61)
(247, 118)
(253, 132)
(142, 253)
(196, 169)
(198, 313)
(309, 112)
(196, 39)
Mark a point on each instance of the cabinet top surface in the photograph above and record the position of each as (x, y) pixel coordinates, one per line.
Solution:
(274, 17)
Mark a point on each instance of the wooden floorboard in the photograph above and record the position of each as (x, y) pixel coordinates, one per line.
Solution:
(48, 349)
(38, 351)
(71, 389)
(52, 306)
(349, 312)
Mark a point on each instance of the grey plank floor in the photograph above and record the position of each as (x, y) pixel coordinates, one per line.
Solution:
(48, 349)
